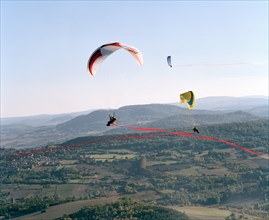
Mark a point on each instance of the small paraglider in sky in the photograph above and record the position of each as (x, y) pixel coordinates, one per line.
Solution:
(112, 120)
(169, 61)
(188, 98)
(102, 52)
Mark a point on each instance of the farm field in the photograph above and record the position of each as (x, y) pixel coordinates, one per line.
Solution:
(203, 213)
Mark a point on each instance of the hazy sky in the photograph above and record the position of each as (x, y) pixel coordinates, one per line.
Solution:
(219, 48)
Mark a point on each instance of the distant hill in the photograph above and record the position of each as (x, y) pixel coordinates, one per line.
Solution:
(256, 105)
(95, 122)
(225, 103)
(42, 120)
(139, 115)
(262, 111)
(188, 120)
(152, 115)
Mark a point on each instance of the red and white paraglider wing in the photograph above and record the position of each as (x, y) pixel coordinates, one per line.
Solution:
(101, 53)
(135, 53)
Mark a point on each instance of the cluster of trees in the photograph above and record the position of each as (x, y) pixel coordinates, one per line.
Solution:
(49, 176)
(207, 190)
(126, 209)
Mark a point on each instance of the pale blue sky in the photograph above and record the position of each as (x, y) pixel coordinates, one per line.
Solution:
(45, 46)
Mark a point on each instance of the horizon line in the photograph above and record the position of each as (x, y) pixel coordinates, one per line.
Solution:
(108, 108)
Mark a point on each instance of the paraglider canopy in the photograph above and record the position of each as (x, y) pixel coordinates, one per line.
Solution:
(169, 61)
(102, 52)
(188, 98)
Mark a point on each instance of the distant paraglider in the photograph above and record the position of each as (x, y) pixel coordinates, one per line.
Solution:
(102, 52)
(206, 65)
(112, 120)
(169, 61)
(195, 130)
(188, 98)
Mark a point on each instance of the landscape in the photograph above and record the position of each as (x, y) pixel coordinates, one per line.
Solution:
(104, 168)
(134, 110)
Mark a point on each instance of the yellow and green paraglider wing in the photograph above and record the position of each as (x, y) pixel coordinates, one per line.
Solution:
(188, 98)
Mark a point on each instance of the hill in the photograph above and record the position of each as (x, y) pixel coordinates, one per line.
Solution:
(257, 105)
(152, 115)
(41, 120)
(136, 114)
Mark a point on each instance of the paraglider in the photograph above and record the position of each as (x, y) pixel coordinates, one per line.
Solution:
(195, 130)
(169, 61)
(188, 98)
(102, 52)
(112, 120)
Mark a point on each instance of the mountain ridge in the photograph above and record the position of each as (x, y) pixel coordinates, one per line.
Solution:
(206, 103)
(163, 116)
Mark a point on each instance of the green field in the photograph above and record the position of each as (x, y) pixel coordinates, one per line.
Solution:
(192, 171)
(111, 156)
(163, 162)
(203, 213)
(67, 162)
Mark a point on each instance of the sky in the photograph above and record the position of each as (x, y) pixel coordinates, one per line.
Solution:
(218, 48)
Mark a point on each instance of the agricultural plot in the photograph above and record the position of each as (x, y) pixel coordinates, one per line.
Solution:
(161, 162)
(192, 171)
(202, 213)
(214, 172)
(67, 162)
(18, 191)
(110, 157)
(66, 208)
